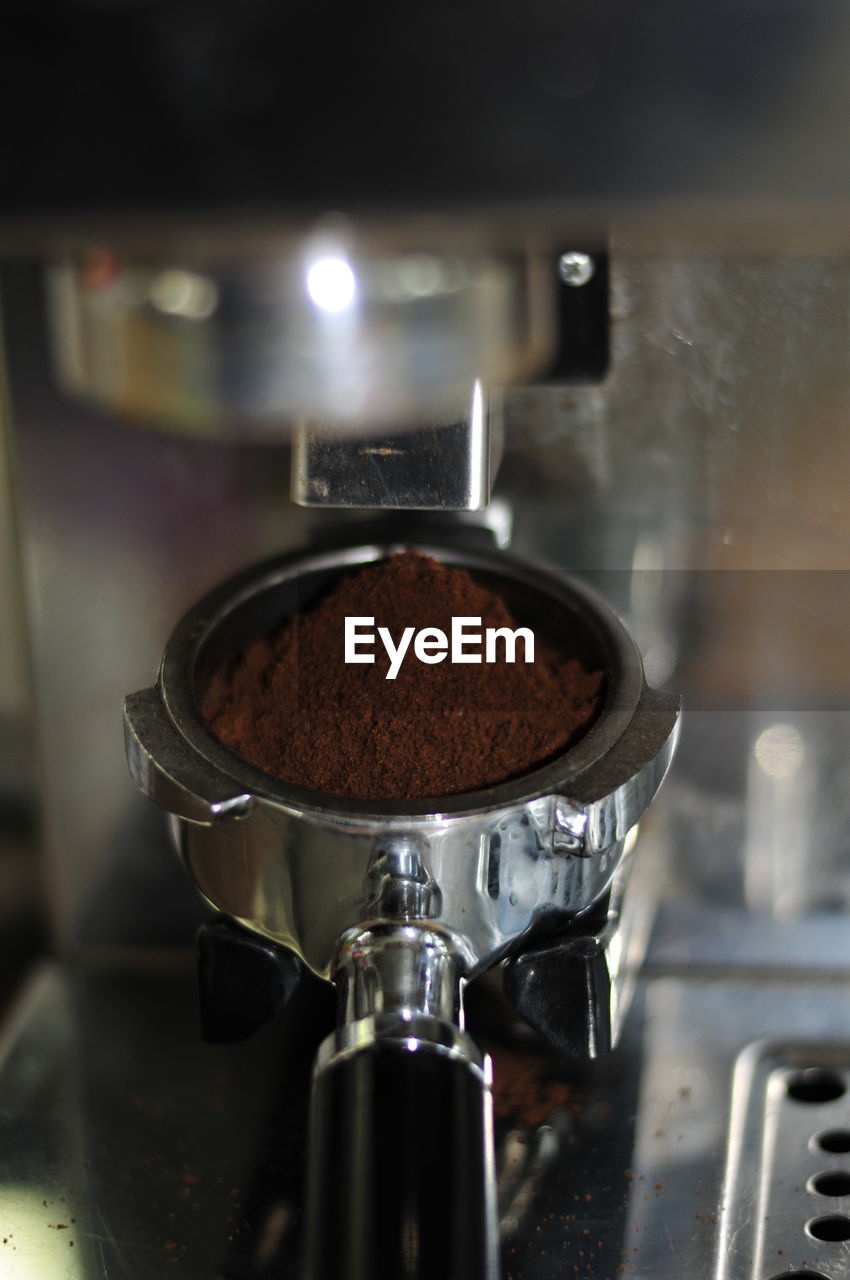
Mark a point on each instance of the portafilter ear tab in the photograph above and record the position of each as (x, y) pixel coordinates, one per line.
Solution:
(399, 902)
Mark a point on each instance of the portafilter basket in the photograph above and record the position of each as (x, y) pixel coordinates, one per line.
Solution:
(400, 902)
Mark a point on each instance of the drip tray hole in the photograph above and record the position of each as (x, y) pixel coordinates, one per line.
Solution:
(815, 1085)
(800, 1275)
(834, 1183)
(832, 1229)
(835, 1142)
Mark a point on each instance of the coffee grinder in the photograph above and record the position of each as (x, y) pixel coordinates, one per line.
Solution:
(613, 250)
(400, 904)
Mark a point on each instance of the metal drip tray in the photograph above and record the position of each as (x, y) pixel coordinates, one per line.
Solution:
(786, 1208)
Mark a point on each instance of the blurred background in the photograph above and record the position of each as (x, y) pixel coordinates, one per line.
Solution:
(23, 927)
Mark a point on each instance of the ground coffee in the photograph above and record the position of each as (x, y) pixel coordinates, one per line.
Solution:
(293, 707)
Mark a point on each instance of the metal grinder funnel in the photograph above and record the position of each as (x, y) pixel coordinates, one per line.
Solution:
(401, 902)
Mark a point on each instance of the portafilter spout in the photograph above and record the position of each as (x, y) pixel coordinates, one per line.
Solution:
(400, 902)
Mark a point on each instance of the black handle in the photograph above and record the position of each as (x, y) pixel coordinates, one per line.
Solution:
(401, 1169)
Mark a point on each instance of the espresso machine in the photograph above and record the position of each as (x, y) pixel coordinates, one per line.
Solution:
(559, 296)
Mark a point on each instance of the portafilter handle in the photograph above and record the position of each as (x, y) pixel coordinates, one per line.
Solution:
(401, 1182)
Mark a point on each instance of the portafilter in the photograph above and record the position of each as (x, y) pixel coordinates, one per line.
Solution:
(401, 902)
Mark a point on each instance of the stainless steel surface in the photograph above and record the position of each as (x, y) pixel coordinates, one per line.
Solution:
(323, 329)
(413, 1033)
(119, 1162)
(697, 1028)
(786, 1198)
(400, 969)
(446, 466)
(521, 856)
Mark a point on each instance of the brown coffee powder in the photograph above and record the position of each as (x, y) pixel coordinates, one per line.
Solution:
(293, 707)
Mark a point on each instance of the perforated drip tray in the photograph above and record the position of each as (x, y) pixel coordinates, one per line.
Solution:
(786, 1206)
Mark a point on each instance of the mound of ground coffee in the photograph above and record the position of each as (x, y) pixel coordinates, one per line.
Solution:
(293, 707)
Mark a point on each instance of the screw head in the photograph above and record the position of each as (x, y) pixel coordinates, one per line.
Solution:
(576, 268)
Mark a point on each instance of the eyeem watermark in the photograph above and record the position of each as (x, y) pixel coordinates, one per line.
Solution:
(431, 645)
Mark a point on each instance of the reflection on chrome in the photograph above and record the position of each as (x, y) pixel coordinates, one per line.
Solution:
(524, 1159)
(659, 662)
(419, 275)
(780, 750)
(778, 855)
(331, 284)
(479, 491)
(41, 1240)
(184, 293)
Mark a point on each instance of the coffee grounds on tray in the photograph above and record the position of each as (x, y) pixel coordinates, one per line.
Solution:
(293, 707)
